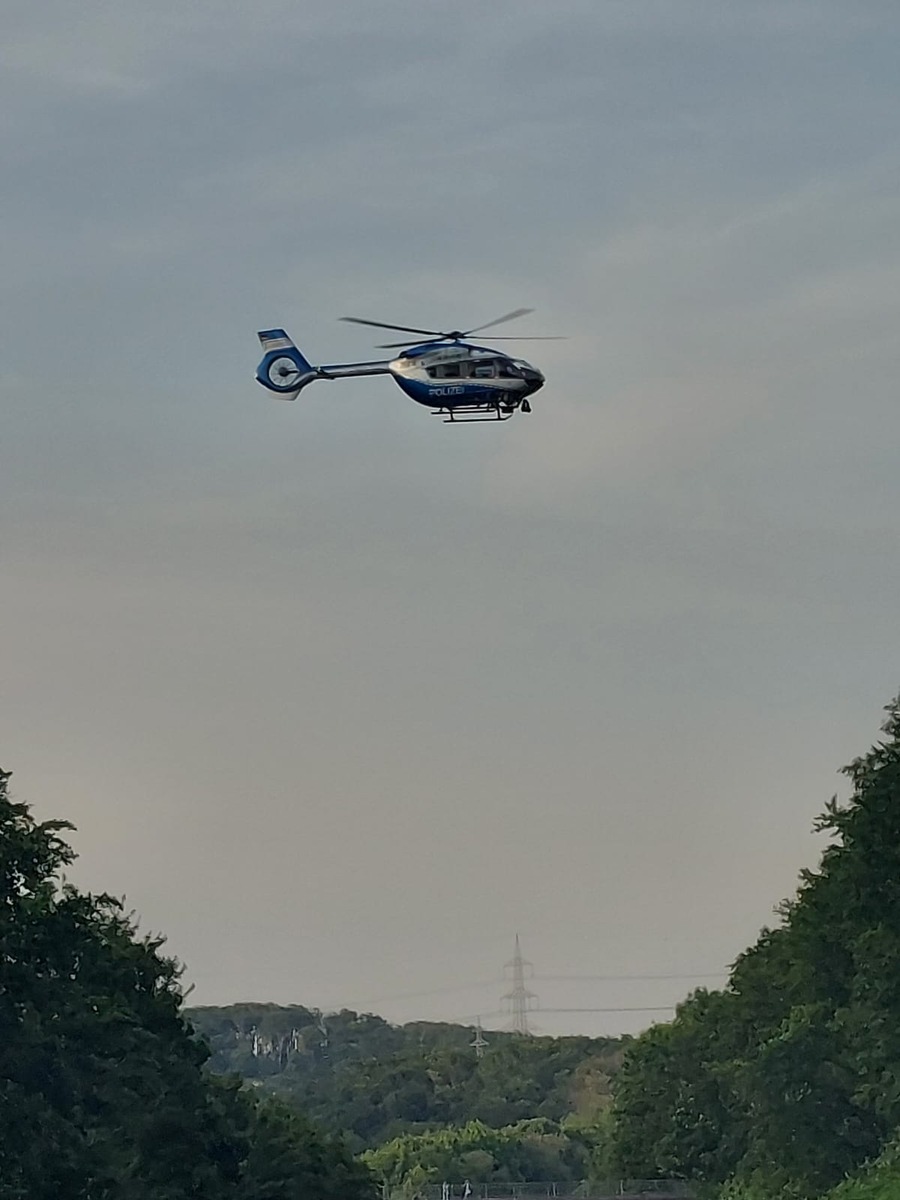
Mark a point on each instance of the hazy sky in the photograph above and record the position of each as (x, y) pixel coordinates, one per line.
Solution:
(340, 698)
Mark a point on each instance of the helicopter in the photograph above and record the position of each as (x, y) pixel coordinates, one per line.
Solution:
(457, 380)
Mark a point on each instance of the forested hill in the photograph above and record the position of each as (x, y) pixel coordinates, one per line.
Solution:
(373, 1080)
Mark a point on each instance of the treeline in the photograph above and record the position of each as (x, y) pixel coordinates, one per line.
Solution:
(103, 1092)
(375, 1081)
(783, 1086)
(788, 1082)
(527, 1151)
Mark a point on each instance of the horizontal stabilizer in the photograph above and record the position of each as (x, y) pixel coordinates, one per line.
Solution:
(274, 339)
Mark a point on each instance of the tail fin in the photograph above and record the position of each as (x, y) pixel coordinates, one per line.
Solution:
(283, 368)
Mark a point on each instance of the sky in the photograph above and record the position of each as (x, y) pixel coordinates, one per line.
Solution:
(340, 699)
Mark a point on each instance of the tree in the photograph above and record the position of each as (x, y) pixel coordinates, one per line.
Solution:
(102, 1089)
(791, 1077)
(534, 1150)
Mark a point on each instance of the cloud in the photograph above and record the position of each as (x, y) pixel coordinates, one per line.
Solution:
(329, 646)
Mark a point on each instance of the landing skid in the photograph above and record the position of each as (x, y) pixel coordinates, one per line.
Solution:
(462, 414)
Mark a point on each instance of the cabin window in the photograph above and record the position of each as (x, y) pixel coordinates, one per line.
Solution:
(473, 369)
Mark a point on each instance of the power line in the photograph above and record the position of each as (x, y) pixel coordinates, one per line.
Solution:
(520, 1001)
(450, 988)
(437, 991)
(472, 1020)
(628, 978)
(639, 1008)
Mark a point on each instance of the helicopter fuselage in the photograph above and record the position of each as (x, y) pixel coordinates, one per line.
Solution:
(457, 376)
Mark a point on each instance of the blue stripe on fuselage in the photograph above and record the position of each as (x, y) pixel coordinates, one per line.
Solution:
(445, 394)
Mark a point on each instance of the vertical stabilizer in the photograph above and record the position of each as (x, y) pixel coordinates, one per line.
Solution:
(283, 369)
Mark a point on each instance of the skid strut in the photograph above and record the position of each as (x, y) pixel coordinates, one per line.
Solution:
(462, 414)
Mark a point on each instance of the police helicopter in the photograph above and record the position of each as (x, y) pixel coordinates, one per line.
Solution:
(454, 378)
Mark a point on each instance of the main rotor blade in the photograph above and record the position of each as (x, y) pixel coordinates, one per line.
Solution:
(499, 338)
(381, 325)
(510, 316)
(399, 345)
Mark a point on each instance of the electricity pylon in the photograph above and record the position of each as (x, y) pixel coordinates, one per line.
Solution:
(479, 1041)
(519, 998)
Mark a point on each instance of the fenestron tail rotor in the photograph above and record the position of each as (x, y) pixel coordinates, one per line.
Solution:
(452, 335)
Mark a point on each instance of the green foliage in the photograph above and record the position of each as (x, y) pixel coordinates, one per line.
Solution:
(880, 1182)
(103, 1095)
(789, 1080)
(376, 1081)
(675, 1103)
(289, 1157)
(529, 1150)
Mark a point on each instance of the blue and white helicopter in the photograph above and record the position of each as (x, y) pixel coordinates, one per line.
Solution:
(452, 377)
